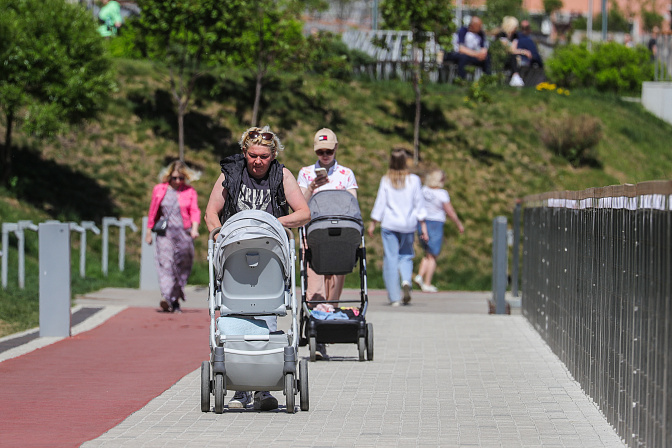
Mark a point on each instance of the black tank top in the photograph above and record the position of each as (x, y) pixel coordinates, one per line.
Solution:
(255, 194)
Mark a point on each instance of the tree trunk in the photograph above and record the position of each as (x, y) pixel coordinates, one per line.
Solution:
(180, 128)
(418, 109)
(6, 151)
(257, 98)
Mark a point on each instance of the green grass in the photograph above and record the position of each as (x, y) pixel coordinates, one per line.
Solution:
(491, 153)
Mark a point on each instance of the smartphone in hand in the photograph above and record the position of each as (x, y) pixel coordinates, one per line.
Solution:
(320, 172)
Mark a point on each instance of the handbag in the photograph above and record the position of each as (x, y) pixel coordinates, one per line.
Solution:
(160, 226)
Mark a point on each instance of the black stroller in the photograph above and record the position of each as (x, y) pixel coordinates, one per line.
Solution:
(332, 243)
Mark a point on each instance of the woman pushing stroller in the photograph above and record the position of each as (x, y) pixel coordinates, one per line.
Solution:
(325, 174)
(255, 180)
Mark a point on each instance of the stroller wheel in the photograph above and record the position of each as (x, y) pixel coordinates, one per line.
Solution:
(361, 346)
(369, 342)
(289, 393)
(312, 343)
(205, 386)
(303, 384)
(219, 393)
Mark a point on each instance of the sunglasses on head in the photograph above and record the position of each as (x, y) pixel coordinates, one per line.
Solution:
(322, 152)
(177, 178)
(264, 135)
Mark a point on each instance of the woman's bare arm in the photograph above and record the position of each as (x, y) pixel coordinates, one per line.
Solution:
(300, 212)
(215, 204)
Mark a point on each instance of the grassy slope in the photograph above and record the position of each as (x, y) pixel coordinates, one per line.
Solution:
(491, 153)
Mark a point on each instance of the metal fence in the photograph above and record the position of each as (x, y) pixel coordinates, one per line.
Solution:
(395, 58)
(596, 286)
(662, 67)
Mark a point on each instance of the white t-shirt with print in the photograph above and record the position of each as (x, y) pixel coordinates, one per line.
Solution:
(340, 178)
(434, 200)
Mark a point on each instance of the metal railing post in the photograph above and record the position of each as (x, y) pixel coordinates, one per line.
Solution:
(516, 249)
(149, 280)
(82, 228)
(122, 223)
(22, 225)
(499, 252)
(6, 228)
(18, 230)
(54, 261)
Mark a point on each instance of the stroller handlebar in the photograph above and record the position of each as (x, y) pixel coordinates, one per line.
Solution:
(214, 232)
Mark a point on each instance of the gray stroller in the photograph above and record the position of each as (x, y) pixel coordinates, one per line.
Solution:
(251, 277)
(333, 243)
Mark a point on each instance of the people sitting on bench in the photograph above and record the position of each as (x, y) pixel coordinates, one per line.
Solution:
(470, 47)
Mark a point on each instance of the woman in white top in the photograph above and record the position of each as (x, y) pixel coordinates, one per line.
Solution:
(437, 202)
(398, 208)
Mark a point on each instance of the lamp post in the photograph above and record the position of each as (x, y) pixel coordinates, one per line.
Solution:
(604, 20)
(589, 28)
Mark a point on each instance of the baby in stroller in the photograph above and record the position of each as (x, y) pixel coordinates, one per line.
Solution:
(253, 180)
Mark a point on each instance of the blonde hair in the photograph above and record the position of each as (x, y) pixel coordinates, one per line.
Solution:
(435, 178)
(274, 143)
(189, 174)
(398, 171)
(509, 25)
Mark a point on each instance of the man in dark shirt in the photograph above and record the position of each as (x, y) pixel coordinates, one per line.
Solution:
(525, 42)
(470, 48)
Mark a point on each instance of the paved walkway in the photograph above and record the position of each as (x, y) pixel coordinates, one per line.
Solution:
(445, 373)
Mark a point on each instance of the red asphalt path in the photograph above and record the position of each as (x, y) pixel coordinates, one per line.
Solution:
(80, 387)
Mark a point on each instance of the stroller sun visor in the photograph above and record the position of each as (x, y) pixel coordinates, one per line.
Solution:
(250, 225)
(334, 204)
(334, 232)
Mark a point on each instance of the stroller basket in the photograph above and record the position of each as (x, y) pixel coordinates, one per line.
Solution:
(334, 232)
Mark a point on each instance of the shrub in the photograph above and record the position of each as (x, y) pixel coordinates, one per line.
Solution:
(571, 136)
(328, 55)
(616, 22)
(610, 67)
(651, 19)
(498, 54)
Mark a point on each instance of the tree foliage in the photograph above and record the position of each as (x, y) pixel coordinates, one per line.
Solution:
(54, 68)
(425, 19)
(497, 9)
(271, 40)
(550, 6)
(616, 21)
(650, 19)
(328, 55)
(188, 36)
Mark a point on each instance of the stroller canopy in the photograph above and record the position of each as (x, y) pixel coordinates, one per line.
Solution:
(334, 203)
(250, 225)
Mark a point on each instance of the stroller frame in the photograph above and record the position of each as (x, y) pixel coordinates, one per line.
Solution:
(273, 357)
(314, 331)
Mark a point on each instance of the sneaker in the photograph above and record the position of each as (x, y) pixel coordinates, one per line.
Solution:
(264, 401)
(321, 351)
(397, 303)
(407, 292)
(516, 81)
(240, 400)
(418, 279)
(429, 288)
(165, 306)
(175, 307)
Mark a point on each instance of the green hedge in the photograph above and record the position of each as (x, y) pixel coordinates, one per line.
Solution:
(609, 67)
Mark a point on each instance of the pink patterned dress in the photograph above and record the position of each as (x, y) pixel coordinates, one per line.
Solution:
(174, 251)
